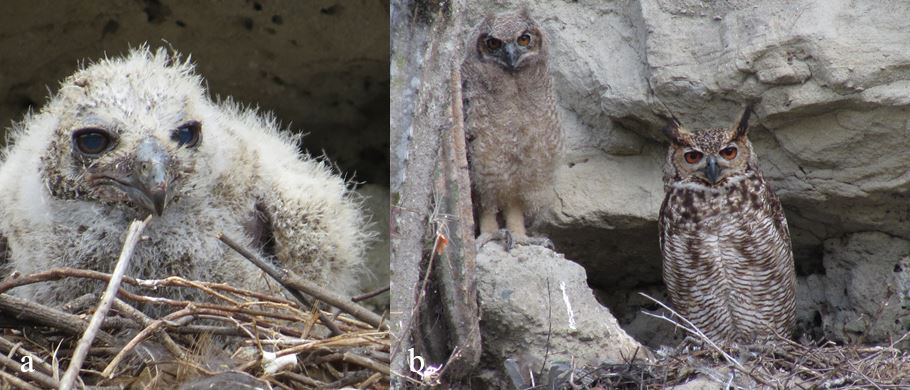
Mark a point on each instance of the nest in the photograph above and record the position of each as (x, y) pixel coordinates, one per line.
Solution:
(232, 337)
(774, 362)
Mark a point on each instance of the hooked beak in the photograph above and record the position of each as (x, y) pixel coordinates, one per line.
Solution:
(711, 170)
(151, 178)
(512, 56)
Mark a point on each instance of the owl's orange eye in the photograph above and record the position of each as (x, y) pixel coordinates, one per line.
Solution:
(728, 153)
(493, 43)
(693, 157)
(524, 40)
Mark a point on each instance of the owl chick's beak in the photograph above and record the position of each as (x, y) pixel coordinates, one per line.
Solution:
(512, 56)
(151, 177)
(712, 171)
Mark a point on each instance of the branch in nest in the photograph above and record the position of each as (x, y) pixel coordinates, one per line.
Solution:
(107, 299)
(47, 316)
(292, 282)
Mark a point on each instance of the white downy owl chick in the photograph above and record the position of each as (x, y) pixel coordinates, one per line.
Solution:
(128, 137)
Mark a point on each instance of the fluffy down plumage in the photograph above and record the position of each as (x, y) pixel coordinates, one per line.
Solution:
(60, 206)
(511, 121)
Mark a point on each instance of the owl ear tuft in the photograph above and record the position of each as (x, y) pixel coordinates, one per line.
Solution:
(676, 133)
(742, 125)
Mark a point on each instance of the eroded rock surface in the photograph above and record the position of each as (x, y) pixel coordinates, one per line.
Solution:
(536, 305)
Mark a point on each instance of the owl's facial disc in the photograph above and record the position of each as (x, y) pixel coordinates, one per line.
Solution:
(146, 176)
(510, 53)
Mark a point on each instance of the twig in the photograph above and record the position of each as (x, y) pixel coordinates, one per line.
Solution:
(691, 328)
(371, 380)
(132, 238)
(36, 376)
(18, 383)
(265, 267)
(369, 295)
(151, 328)
(144, 320)
(302, 379)
(350, 379)
(16, 348)
(26, 309)
(290, 281)
(356, 359)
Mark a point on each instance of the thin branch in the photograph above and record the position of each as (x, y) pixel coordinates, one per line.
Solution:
(369, 295)
(107, 299)
(149, 330)
(36, 376)
(292, 282)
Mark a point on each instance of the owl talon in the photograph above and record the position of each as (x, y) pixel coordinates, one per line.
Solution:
(502, 235)
(539, 241)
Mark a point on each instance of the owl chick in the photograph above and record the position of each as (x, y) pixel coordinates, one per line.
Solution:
(138, 135)
(728, 263)
(511, 124)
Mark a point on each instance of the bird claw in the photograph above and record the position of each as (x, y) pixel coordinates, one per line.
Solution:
(502, 235)
(539, 241)
(509, 240)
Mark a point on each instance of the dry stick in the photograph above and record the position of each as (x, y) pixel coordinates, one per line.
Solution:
(149, 330)
(292, 282)
(36, 376)
(371, 380)
(44, 315)
(18, 383)
(356, 359)
(276, 275)
(691, 328)
(40, 363)
(350, 379)
(132, 238)
(369, 295)
(171, 281)
(144, 320)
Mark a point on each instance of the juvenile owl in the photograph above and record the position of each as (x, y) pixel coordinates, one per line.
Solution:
(511, 123)
(133, 136)
(728, 263)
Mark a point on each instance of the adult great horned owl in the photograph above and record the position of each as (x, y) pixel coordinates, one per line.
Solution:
(133, 136)
(728, 263)
(514, 137)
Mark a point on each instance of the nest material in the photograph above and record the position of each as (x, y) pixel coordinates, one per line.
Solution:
(775, 364)
(230, 337)
(237, 336)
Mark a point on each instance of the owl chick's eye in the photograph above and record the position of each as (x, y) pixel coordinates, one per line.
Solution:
(693, 157)
(493, 43)
(92, 141)
(188, 134)
(728, 153)
(524, 40)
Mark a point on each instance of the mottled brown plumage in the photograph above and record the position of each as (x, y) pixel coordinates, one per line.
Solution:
(728, 263)
(514, 137)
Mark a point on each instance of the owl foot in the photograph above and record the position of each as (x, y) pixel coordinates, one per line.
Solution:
(503, 235)
(539, 241)
(510, 240)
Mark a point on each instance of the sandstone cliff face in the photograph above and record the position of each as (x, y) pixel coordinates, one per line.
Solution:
(832, 85)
